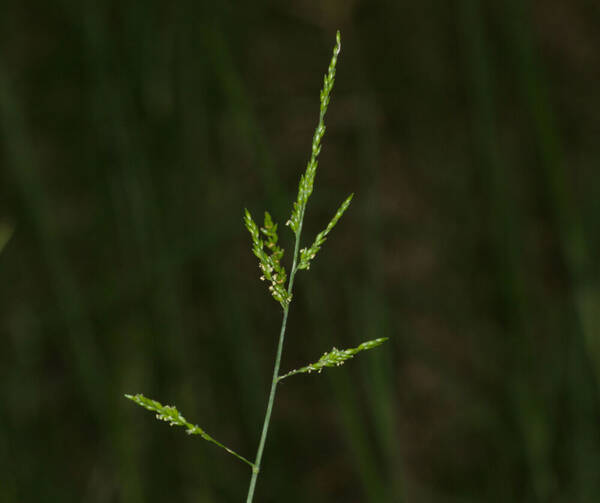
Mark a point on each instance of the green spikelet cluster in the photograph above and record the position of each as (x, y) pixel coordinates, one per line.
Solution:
(307, 254)
(335, 358)
(308, 178)
(167, 413)
(171, 415)
(270, 265)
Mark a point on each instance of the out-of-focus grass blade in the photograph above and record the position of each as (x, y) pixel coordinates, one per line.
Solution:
(6, 232)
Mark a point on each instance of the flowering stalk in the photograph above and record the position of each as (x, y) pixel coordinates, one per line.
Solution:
(266, 248)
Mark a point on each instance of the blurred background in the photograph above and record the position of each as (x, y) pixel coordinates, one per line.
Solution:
(132, 136)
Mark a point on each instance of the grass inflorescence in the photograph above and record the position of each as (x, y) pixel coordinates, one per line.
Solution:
(266, 248)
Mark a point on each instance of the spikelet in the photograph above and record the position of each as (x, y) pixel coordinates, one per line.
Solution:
(335, 358)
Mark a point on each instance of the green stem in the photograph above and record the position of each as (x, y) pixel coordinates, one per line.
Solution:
(241, 458)
(265, 429)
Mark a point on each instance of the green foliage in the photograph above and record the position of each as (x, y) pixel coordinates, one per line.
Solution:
(335, 358)
(171, 415)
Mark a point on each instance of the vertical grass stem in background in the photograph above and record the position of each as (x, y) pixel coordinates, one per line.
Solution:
(506, 243)
(266, 248)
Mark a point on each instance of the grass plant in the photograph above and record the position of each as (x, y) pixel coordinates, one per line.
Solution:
(265, 246)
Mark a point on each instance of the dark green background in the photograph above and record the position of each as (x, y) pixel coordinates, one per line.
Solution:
(133, 134)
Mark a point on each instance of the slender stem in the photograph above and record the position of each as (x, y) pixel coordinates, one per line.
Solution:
(265, 429)
(241, 458)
